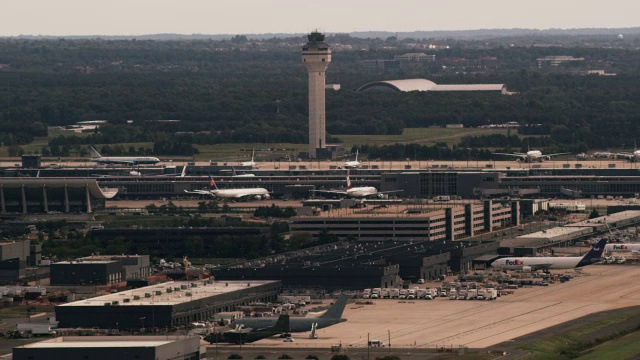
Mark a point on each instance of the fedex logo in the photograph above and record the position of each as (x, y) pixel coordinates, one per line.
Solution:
(514, 262)
(620, 247)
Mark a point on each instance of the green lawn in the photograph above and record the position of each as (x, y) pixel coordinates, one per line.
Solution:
(624, 348)
(424, 136)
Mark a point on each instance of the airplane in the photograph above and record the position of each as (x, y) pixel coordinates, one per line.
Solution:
(604, 155)
(237, 194)
(352, 164)
(531, 156)
(245, 175)
(622, 247)
(250, 163)
(124, 160)
(359, 192)
(138, 173)
(241, 335)
(545, 263)
(332, 316)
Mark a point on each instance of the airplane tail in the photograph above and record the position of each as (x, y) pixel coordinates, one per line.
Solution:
(184, 171)
(357, 150)
(349, 186)
(212, 184)
(594, 254)
(336, 310)
(253, 153)
(282, 325)
(94, 153)
(233, 169)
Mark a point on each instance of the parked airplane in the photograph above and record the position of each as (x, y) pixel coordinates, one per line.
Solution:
(237, 194)
(241, 175)
(622, 247)
(352, 164)
(360, 192)
(243, 335)
(138, 173)
(546, 263)
(532, 156)
(124, 160)
(300, 324)
(250, 163)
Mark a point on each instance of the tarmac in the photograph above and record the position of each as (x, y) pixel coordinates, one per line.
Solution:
(424, 324)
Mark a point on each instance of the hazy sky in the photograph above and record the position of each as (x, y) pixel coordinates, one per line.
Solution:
(136, 17)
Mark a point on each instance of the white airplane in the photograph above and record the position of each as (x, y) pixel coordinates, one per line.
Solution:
(622, 247)
(360, 192)
(545, 263)
(250, 163)
(245, 175)
(237, 194)
(532, 156)
(124, 160)
(352, 164)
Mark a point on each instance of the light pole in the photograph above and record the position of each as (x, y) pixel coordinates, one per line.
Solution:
(142, 323)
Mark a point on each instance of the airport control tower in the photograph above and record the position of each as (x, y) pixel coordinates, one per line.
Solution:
(316, 56)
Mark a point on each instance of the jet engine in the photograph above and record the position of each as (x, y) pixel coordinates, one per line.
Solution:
(526, 269)
(546, 158)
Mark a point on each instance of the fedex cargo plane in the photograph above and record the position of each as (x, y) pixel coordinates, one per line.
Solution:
(545, 263)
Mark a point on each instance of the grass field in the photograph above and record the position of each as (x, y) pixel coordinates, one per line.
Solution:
(572, 343)
(623, 348)
(423, 136)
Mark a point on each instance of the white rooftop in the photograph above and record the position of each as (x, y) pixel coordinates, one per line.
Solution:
(105, 342)
(181, 292)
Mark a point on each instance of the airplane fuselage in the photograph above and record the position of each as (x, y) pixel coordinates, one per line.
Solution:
(260, 193)
(135, 160)
(362, 192)
(622, 247)
(295, 324)
(518, 263)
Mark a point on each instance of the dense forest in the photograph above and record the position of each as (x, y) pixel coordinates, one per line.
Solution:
(243, 90)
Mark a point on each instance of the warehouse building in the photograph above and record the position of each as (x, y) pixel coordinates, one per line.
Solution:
(109, 348)
(100, 270)
(164, 305)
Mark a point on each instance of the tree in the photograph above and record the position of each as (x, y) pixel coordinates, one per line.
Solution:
(15, 150)
(285, 356)
(234, 356)
(388, 357)
(312, 357)
(594, 214)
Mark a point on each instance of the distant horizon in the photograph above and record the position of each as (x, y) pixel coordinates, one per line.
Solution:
(224, 17)
(633, 29)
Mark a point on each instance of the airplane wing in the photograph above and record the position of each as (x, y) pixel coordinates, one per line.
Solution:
(390, 191)
(556, 154)
(512, 154)
(331, 191)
